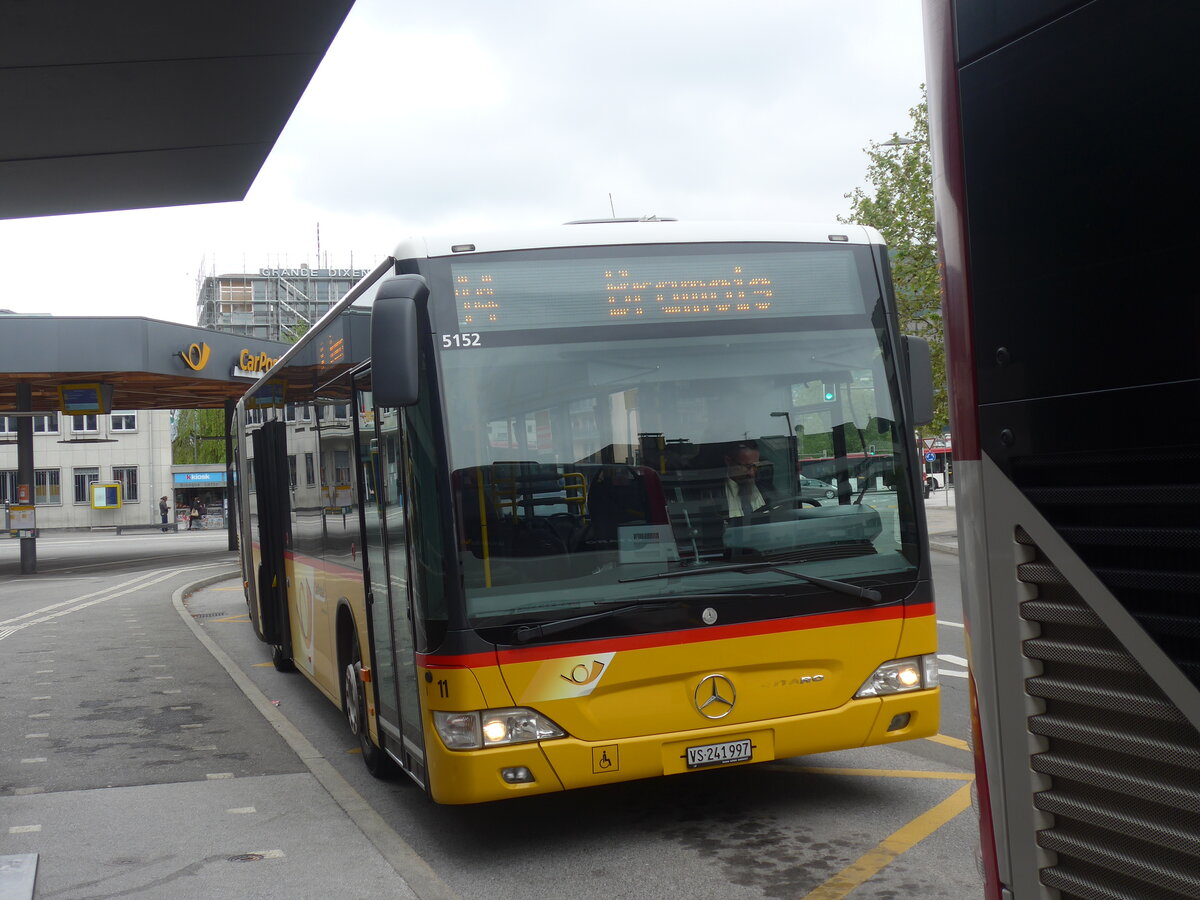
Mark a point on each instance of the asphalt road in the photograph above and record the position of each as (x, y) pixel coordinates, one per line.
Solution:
(876, 822)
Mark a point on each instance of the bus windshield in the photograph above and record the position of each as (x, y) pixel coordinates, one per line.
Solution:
(585, 458)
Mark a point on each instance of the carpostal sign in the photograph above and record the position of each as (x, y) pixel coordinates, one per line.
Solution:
(252, 365)
(248, 364)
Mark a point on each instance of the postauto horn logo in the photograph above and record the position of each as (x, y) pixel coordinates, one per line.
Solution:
(196, 356)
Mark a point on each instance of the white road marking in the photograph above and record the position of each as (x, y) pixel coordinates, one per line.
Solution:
(8, 627)
(956, 660)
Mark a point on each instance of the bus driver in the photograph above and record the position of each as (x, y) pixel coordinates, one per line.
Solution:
(741, 491)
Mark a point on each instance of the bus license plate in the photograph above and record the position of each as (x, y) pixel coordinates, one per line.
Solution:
(718, 754)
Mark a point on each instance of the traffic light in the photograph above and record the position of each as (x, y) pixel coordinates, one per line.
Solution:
(830, 393)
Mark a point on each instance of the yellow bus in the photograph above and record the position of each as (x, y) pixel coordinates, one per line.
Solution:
(527, 505)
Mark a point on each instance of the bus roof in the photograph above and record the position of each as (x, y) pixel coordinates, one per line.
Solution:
(624, 231)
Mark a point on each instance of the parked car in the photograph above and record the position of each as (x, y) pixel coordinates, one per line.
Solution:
(812, 489)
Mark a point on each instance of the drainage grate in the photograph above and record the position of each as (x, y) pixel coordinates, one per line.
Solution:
(211, 615)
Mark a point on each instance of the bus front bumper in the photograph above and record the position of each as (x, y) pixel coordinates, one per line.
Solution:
(498, 773)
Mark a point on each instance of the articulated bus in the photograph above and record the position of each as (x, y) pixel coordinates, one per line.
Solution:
(526, 506)
(1062, 132)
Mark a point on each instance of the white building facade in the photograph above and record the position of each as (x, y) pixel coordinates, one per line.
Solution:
(126, 447)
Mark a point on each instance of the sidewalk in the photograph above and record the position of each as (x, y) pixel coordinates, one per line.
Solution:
(941, 517)
(139, 769)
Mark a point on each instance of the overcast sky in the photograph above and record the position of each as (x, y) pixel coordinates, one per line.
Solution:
(476, 114)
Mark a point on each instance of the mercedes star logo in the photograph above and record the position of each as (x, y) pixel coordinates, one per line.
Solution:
(715, 697)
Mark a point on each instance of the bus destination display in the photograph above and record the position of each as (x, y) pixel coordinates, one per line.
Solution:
(516, 293)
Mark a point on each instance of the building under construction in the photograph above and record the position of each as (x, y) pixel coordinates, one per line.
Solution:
(273, 304)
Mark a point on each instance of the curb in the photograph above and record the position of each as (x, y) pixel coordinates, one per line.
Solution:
(409, 866)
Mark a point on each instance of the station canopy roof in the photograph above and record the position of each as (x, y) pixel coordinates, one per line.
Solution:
(131, 104)
(150, 364)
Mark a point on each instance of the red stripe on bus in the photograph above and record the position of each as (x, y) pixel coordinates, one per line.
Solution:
(315, 562)
(672, 638)
(953, 244)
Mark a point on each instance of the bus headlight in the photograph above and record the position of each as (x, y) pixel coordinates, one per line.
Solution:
(493, 728)
(917, 673)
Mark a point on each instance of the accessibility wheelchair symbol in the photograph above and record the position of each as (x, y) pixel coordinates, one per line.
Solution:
(605, 759)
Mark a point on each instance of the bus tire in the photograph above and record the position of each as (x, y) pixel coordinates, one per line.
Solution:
(354, 705)
(281, 661)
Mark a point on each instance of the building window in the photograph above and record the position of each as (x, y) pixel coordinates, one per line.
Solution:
(45, 424)
(236, 297)
(84, 424)
(123, 420)
(292, 470)
(127, 475)
(8, 424)
(46, 488)
(341, 467)
(85, 477)
(8, 486)
(310, 475)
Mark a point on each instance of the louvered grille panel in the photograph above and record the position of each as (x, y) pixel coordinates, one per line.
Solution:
(1079, 881)
(1149, 865)
(1133, 516)
(1123, 762)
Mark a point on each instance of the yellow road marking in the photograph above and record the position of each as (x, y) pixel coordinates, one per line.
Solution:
(225, 589)
(956, 743)
(903, 839)
(244, 617)
(258, 665)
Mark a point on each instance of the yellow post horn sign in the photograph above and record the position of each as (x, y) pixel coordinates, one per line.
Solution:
(196, 356)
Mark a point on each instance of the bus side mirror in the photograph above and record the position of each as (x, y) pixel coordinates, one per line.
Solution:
(920, 378)
(395, 328)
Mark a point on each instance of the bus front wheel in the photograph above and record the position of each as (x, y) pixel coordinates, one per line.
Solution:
(354, 705)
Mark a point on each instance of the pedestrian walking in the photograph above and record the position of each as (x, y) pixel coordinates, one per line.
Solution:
(193, 514)
(163, 508)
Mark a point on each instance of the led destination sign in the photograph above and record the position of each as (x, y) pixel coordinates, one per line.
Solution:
(519, 293)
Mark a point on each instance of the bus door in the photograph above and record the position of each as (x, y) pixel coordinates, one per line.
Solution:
(388, 601)
(270, 468)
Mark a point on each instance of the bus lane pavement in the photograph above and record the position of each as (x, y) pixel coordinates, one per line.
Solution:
(130, 765)
(875, 822)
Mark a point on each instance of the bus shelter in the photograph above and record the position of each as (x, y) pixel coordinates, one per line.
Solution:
(80, 366)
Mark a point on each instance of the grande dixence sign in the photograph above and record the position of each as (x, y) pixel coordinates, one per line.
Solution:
(305, 272)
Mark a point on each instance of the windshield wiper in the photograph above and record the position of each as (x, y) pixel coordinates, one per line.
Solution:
(526, 633)
(841, 587)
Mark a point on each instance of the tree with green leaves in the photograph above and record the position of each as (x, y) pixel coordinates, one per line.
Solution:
(900, 207)
(200, 436)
